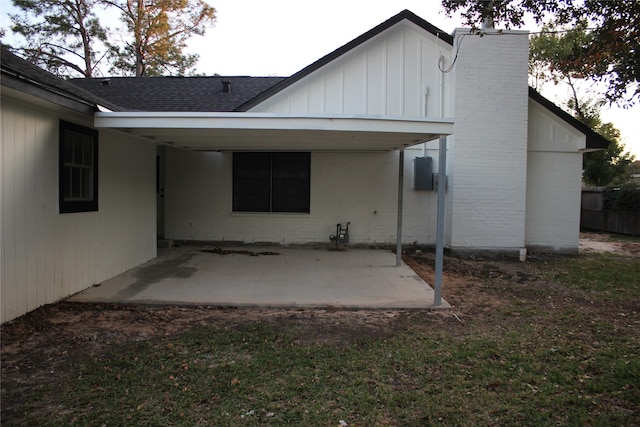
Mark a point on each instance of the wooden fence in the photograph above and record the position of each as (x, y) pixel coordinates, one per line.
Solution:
(597, 215)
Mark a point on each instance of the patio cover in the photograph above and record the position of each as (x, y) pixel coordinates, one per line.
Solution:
(267, 131)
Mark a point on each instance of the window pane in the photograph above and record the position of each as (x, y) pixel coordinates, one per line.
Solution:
(77, 148)
(291, 182)
(251, 182)
(87, 187)
(76, 183)
(78, 168)
(87, 151)
(67, 147)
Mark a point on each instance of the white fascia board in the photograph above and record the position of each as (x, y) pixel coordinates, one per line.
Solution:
(270, 121)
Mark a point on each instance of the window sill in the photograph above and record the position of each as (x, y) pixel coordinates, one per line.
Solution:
(271, 214)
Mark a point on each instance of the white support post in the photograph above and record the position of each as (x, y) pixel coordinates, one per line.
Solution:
(400, 203)
(442, 183)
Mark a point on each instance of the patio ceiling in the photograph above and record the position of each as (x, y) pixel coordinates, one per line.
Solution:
(272, 132)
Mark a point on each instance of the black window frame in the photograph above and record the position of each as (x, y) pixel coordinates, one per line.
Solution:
(272, 182)
(78, 141)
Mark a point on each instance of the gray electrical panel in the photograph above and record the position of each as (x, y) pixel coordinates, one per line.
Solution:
(422, 174)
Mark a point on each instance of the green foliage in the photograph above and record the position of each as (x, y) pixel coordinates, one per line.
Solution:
(607, 52)
(606, 167)
(61, 36)
(603, 167)
(628, 197)
(558, 55)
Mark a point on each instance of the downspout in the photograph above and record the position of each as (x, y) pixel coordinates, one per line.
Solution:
(400, 196)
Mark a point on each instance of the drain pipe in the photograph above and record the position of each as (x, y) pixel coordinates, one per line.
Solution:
(442, 184)
(400, 195)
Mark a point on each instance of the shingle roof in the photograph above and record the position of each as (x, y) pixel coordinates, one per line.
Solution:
(178, 93)
(14, 67)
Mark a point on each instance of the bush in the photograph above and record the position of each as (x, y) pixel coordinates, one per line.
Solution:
(628, 197)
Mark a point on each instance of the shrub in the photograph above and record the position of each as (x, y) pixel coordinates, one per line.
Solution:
(628, 197)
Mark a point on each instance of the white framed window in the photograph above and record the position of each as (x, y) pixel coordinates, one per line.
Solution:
(78, 168)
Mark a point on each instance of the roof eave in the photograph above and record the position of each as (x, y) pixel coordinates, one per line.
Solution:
(45, 93)
(594, 141)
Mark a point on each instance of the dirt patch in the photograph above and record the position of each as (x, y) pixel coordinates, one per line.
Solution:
(599, 242)
(220, 251)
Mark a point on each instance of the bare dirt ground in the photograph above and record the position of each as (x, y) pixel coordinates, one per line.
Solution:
(598, 242)
(36, 346)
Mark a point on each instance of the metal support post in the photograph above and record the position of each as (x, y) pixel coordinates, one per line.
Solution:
(400, 202)
(442, 183)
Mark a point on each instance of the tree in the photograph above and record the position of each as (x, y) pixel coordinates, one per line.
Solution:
(609, 55)
(67, 38)
(61, 36)
(603, 167)
(160, 30)
(553, 56)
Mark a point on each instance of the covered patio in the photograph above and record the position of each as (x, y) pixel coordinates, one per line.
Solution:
(357, 278)
(269, 276)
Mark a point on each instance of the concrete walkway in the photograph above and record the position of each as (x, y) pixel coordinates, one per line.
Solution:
(268, 277)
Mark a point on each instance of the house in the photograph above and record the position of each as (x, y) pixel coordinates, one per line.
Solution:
(94, 171)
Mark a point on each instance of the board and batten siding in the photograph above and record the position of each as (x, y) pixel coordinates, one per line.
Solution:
(47, 256)
(394, 74)
(554, 165)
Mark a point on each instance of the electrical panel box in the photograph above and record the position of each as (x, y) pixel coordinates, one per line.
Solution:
(423, 174)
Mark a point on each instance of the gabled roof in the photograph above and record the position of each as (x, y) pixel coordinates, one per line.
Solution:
(19, 74)
(595, 141)
(204, 94)
(405, 14)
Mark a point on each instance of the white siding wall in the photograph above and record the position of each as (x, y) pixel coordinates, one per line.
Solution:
(393, 74)
(356, 187)
(47, 256)
(488, 153)
(554, 169)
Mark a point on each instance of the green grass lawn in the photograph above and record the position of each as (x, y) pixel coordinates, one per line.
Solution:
(561, 349)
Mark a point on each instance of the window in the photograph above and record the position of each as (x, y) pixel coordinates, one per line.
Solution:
(78, 171)
(271, 182)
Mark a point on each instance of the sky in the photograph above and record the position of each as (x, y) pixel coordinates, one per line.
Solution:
(280, 37)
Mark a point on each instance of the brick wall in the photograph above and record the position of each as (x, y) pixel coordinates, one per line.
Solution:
(488, 152)
(357, 187)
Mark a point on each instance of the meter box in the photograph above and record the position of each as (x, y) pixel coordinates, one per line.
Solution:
(423, 174)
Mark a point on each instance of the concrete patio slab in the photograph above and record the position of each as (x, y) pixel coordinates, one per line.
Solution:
(268, 277)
